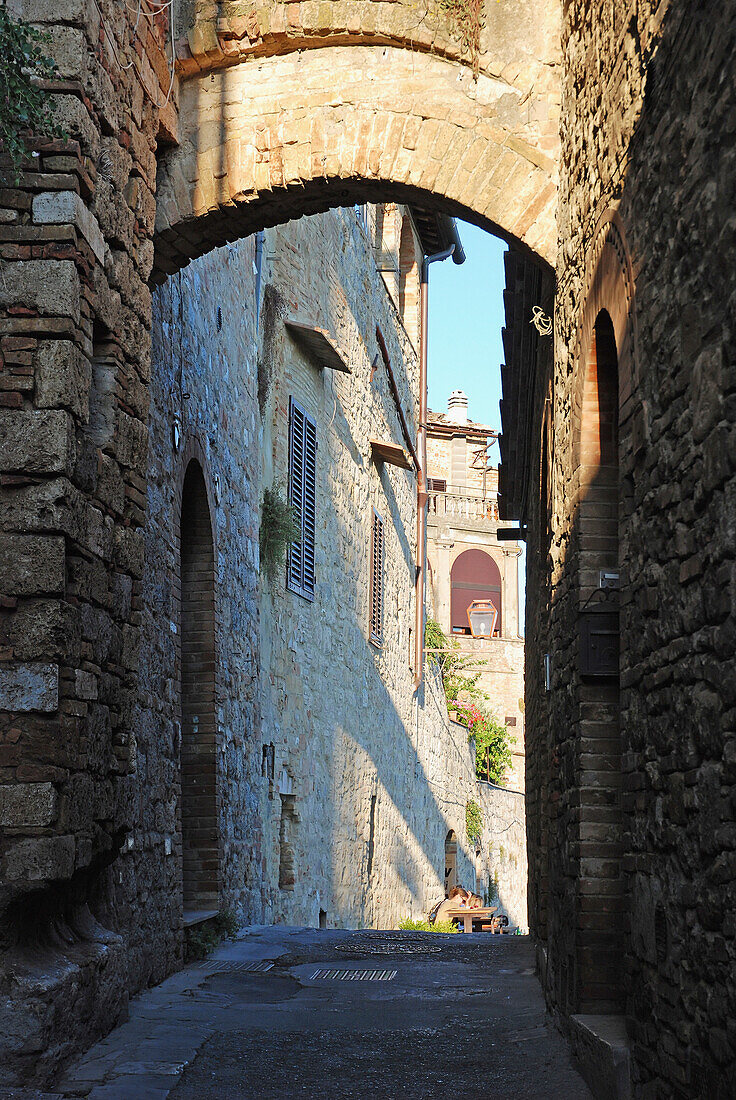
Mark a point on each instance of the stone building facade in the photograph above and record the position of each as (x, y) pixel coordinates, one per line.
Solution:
(603, 129)
(467, 562)
(282, 765)
(617, 458)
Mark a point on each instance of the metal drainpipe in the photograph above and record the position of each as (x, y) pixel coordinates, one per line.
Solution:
(421, 563)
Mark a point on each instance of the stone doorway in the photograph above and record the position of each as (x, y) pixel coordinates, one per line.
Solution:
(199, 805)
(596, 983)
(450, 861)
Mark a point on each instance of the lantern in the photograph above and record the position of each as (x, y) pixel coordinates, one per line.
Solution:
(482, 616)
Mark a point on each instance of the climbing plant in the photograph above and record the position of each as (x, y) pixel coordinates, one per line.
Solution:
(279, 528)
(466, 19)
(25, 107)
(444, 654)
(492, 741)
(473, 822)
(468, 704)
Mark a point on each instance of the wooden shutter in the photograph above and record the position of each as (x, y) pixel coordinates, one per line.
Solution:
(300, 573)
(376, 582)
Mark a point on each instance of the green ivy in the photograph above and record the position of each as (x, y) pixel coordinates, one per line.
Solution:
(473, 822)
(278, 530)
(466, 700)
(24, 106)
(452, 665)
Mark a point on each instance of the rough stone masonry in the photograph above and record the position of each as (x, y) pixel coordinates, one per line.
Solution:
(630, 784)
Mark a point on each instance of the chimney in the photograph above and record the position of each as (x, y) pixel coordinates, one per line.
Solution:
(457, 408)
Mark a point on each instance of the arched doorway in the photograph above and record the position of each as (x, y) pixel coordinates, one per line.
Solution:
(199, 802)
(597, 983)
(450, 861)
(474, 576)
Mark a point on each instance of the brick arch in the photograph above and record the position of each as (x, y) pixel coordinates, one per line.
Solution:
(514, 36)
(610, 289)
(605, 364)
(263, 142)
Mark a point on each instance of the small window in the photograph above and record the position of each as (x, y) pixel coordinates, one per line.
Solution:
(376, 581)
(361, 213)
(302, 494)
(437, 484)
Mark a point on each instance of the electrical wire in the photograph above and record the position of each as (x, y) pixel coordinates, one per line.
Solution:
(131, 64)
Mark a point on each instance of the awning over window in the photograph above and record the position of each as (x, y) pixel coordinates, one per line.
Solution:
(319, 346)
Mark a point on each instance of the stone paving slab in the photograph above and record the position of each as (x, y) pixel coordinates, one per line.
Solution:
(463, 1013)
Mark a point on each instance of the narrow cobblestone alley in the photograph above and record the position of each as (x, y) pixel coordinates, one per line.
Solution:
(461, 1012)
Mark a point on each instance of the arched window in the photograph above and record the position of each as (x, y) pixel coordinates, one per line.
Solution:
(199, 812)
(474, 576)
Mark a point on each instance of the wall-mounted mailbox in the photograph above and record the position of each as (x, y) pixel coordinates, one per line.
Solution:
(599, 636)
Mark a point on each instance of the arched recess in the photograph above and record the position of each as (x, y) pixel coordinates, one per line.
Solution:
(409, 281)
(199, 787)
(604, 401)
(263, 142)
(474, 576)
(450, 861)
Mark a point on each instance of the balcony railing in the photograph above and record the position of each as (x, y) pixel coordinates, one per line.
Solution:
(462, 503)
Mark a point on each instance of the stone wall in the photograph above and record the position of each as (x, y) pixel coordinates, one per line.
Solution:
(631, 834)
(502, 864)
(362, 770)
(75, 244)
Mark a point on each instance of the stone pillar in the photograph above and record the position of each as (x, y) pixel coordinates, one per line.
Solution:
(444, 546)
(510, 573)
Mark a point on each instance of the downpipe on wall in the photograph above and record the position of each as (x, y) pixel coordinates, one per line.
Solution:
(458, 254)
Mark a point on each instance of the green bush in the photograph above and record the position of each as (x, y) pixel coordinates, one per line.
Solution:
(202, 940)
(279, 528)
(452, 665)
(492, 741)
(473, 822)
(410, 925)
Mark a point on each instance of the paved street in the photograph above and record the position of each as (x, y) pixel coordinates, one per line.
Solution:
(460, 1014)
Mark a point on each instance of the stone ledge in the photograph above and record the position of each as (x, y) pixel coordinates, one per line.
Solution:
(601, 1048)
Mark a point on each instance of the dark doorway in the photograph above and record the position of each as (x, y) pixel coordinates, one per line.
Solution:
(199, 802)
(601, 915)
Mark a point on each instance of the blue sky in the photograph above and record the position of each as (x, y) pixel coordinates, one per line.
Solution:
(465, 320)
(465, 350)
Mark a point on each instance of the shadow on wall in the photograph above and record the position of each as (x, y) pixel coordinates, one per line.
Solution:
(586, 826)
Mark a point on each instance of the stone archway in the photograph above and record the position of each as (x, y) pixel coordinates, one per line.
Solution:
(334, 102)
(263, 142)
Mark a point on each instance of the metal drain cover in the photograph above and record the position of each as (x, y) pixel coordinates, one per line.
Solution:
(220, 965)
(354, 975)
